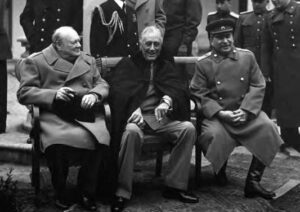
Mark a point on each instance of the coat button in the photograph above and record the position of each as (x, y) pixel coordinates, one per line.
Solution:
(291, 22)
(129, 56)
(58, 20)
(218, 82)
(243, 96)
(42, 39)
(42, 29)
(292, 30)
(43, 20)
(137, 44)
(128, 45)
(84, 84)
(220, 98)
(242, 79)
(58, 9)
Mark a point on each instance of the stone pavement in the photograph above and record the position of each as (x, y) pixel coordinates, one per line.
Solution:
(283, 175)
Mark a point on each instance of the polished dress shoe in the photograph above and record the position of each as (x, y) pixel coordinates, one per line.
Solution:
(118, 204)
(183, 196)
(88, 203)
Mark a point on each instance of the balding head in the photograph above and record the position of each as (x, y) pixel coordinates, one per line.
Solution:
(151, 42)
(66, 41)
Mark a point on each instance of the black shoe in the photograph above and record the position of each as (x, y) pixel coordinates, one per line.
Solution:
(88, 203)
(118, 204)
(62, 204)
(254, 189)
(221, 179)
(183, 196)
(283, 150)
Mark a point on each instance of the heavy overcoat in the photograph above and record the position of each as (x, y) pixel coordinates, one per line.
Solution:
(40, 18)
(5, 52)
(120, 38)
(149, 12)
(42, 74)
(281, 60)
(229, 84)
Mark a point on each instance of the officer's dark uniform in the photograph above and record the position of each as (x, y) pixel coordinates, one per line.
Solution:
(248, 34)
(214, 16)
(5, 54)
(113, 31)
(40, 18)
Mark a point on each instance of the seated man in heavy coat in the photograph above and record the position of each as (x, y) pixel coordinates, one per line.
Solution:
(67, 87)
(148, 96)
(230, 87)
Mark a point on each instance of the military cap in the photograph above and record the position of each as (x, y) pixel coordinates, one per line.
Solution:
(220, 26)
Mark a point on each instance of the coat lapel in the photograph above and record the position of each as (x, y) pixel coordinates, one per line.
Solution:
(79, 68)
(139, 3)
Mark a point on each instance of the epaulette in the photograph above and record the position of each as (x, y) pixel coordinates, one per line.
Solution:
(204, 56)
(34, 54)
(243, 50)
(212, 13)
(246, 12)
(234, 14)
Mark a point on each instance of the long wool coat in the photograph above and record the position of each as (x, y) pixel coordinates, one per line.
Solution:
(5, 52)
(229, 84)
(281, 60)
(42, 74)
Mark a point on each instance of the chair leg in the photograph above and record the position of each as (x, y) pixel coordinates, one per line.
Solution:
(159, 160)
(198, 159)
(35, 172)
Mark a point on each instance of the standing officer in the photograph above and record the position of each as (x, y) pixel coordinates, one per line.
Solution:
(5, 54)
(40, 18)
(281, 60)
(248, 33)
(223, 12)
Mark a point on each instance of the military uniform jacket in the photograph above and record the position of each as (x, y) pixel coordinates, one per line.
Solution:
(214, 16)
(40, 18)
(229, 84)
(120, 37)
(5, 52)
(42, 74)
(281, 60)
(248, 32)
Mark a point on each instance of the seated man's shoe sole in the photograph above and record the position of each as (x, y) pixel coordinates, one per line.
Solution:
(88, 204)
(253, 195)
(118, 204)
(181, 196)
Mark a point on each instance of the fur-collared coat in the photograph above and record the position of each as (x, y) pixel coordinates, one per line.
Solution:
(42, 74)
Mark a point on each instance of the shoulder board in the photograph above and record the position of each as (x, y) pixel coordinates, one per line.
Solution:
(243, 50)
(212, 13)
(234, 14)
(246, 12)
(34, 54)
(204, 56)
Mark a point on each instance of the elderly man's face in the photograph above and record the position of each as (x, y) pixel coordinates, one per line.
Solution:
(280, 3)
(222, 43)
(151, 45)
(70, 45)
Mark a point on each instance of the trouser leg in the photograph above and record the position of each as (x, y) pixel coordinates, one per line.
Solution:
(88, 173)
(129, 152)
(58, 166)
(253, 187)
(183, 135)
(3, 95)
(290, 136)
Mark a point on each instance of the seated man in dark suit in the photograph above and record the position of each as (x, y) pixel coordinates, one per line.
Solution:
(148, 96)
(66, 85)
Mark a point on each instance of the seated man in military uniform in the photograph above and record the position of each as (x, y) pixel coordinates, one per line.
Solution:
(230, 87)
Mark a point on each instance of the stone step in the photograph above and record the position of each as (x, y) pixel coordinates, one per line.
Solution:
(18, 153)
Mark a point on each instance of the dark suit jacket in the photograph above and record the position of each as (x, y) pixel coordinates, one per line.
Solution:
(5, 52)
(40, 18)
